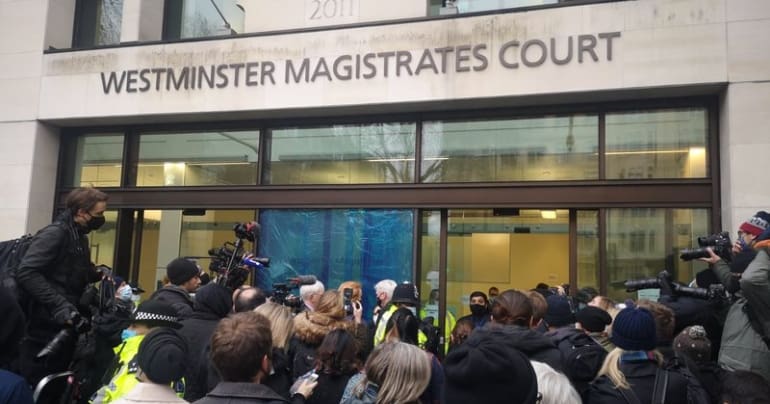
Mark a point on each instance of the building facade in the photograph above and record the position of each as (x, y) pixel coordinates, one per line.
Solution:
(460, 146)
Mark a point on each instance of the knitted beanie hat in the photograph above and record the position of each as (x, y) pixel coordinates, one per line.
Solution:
(694, 342)
(181, 270)
(634, 329)
(756, 224)
(559, 312)
(162, 355)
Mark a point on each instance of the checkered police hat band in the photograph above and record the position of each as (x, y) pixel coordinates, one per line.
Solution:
(144, 316)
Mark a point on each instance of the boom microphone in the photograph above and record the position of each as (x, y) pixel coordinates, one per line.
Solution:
(304, 280)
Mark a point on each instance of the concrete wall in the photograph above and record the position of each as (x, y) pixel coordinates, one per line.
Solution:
(28, 149)
(745, 121)
(655, 44)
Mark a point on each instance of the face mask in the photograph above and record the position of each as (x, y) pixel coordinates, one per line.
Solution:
(126, 334)
(477, 309)
(125, 293)
(135, 299)
(95, 222)
(413, 310)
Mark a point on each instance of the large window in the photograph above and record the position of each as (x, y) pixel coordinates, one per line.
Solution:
(512, 249)
(342, 154)
(641, 242)
(98, 22)
(94, 160)
(205, 158)
(657, 144)
(533, 149)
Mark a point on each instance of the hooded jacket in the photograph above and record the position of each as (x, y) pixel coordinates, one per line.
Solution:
(742, 347)
(535, 345)
(488, 368)
(212, 303)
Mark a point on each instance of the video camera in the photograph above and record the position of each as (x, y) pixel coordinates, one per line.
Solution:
(715, 292)
(719, 243)
(282, 291)
(230, 261)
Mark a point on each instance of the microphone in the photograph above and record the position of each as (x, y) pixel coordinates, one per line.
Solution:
(304, 280)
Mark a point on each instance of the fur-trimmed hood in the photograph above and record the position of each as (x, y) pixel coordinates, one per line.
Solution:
(312, 327)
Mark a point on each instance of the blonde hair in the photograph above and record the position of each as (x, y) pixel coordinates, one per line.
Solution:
(554, 386)
(281, 322)
(612, 371)
(401, 370)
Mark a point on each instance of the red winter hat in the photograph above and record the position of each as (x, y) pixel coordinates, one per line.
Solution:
(756, 224)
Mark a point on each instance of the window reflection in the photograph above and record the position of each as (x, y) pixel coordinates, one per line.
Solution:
(202, 18)
(468, 6)
(657, 144)
(343, 154)
(641, 242)
(532, 149)
(94, 160)
(588, 249)
(206, 158)
(98, 22)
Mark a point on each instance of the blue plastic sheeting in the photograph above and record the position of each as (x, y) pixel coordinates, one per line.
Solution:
(336, 245)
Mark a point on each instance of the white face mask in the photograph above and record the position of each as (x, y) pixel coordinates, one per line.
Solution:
(413, 310)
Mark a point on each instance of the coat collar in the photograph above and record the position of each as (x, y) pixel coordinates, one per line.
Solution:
(245, 390)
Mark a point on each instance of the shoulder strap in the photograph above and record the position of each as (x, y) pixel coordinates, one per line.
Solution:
(660, 386)
(629, 396)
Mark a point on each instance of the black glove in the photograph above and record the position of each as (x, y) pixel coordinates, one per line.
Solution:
(64, 313)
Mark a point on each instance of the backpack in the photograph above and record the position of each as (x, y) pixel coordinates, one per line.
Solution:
(11, 254)
(582, 357)
(432, 334)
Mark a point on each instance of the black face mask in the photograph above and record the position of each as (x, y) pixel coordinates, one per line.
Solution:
(478, 309)
(95, 222)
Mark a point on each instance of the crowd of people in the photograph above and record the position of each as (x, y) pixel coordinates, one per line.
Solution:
(210, 344)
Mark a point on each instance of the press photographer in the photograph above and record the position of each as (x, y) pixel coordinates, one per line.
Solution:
(746, 334)
(54, 274)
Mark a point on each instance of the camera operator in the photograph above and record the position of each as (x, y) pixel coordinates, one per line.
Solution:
(54, 274)
(745, 338)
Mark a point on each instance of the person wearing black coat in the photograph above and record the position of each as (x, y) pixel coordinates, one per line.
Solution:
(213, 302)
(184, 278)
(53, 274)
(512, 317)
(631, 369)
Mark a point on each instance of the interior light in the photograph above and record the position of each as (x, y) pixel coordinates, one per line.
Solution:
(548, 214)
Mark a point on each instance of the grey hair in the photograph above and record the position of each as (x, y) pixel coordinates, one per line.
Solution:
(306, 290)
(554, 386)
(387, 286)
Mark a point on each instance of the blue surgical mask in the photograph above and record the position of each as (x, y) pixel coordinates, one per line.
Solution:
(125, 293)
(127, 333)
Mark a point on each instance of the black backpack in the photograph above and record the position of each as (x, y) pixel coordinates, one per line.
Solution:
(11, 254)
(582, 357)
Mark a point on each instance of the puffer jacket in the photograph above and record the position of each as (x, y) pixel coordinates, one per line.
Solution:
(742, 347)
(54, 274)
